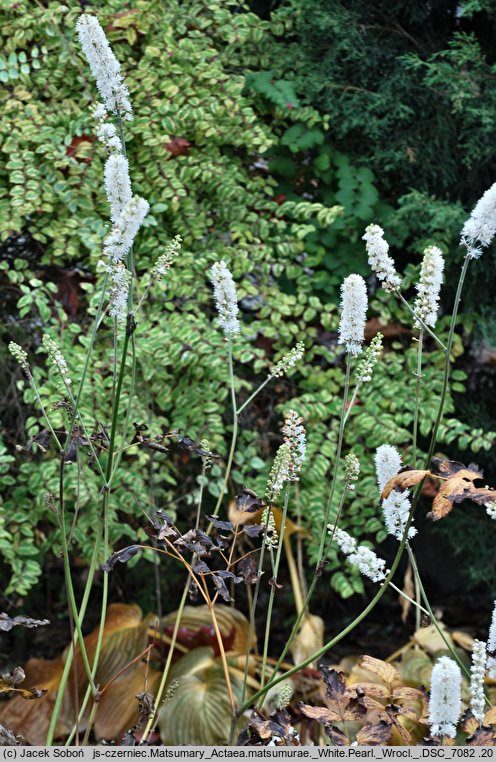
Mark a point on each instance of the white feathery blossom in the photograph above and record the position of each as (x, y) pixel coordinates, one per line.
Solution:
(353, 313)
(106, 132)
(120, 239)
(120, 281)
(480, 228)
(379, 260)
(429, 285)
(56, 358)
(477, 671)
(445, 702)
(166, 260)
(296, 439)
(288, 361)
(117, 184)
(491, 638)
(396, 510)
(104, 66)
(369, 564)
(387, 464)
(396, 507)
(371, 354)
(226, 299)
(279, 473)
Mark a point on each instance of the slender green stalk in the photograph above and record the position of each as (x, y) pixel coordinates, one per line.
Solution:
(274, 584)
(417, 397)
(70, 654)
(44, 413)
(407, 597)
(252, 396)
(234, 434)
(342, 421)
(419, 319)
(251, 625)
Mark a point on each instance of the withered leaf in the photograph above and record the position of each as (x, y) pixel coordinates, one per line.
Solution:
(248, 501)
(375, 690)
(407, 478)
(342, 703)
(248, 569)
(490, 716)
(382, 669)
(252, 530)
(374, 734)
(405, 693)
(189, 445)
(42, 439)
(8, 738)
(7, 623)
(146, 705)
(226, 526)
(482, 737)
(121, 556)
(225, 574)
(7, 685)
(468, 723)
(201, 568)
(221, 588)
(195, 540)
(275, 584)
(260, 731)
(459, 486)
(337, 736)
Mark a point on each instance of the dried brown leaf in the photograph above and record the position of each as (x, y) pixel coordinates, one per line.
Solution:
(382, 669)
(482, 737)
(404, 480)
(374, 734)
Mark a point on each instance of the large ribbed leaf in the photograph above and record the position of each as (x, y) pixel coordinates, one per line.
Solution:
(199, 712)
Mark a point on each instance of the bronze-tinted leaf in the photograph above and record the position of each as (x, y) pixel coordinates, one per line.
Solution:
(482, 737)
(123, 556)
(382, 669)
(248, 501)
(225, 526)
(221, 588)
(490, 716)
(337, 736)
(248, 568)
(374, 734)
(404, 480)
(459, 486)
(7, 623)
(253, 530)
(468, 723)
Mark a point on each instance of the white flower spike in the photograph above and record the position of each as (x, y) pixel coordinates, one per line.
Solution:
(353, 313)
(104, 66)
(480, 228)
(379, 260)
(445, 703)
(226, 299)
(429, 285)
(117, 184)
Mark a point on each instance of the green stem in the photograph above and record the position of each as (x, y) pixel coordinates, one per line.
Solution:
(417, 397)
(252, 396)
(337, 461)
(234, 434)
(43, 411)
(70, 654)
(274, 584)
(251, 625)
(419, 320)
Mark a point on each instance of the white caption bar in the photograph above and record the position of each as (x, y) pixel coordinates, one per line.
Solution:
(207, 753)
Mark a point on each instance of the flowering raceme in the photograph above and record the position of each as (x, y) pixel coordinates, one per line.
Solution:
(117, 184)
(480, 228)
(429, 285)
(477, 672)
(295, 438)
(364, 558)
(445, 703)
(226, 299)
(104, 66)
(353, 313)
(397, 506)
(379, 259)
(119, 241)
